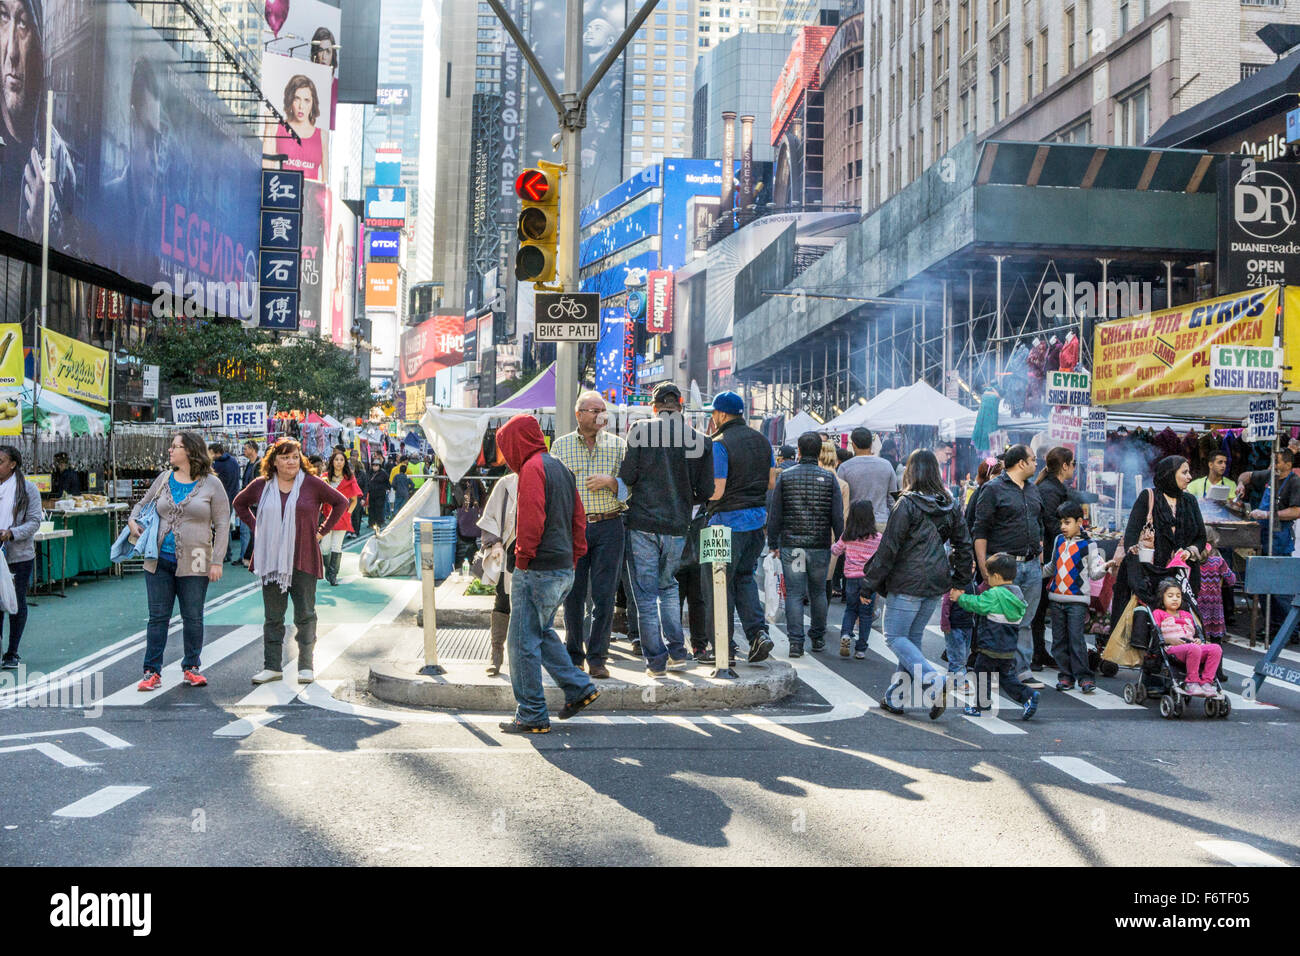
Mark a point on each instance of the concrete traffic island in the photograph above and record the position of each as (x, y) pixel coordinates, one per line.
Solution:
(466, 686)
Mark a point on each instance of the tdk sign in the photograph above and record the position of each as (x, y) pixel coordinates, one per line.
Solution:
(384, 245)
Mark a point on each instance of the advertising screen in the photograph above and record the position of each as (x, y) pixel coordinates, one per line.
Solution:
(150, 174)
(307, 30)
(395, 98)
(299, 90)
(341, 262)
(311, 291)
(386, 207)
(381, 286)
(433, 345)
(382, 246)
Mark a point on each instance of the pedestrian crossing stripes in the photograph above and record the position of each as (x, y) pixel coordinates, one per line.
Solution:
(213, 653)
(1080, 769)
(101, 801)
(1239, 854)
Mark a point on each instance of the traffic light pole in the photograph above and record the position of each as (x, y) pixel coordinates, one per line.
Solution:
(571, 108)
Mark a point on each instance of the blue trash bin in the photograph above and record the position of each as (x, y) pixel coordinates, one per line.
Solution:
(443, 533)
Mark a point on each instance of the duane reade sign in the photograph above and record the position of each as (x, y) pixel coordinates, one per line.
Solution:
(197, 408)
(1240, 368)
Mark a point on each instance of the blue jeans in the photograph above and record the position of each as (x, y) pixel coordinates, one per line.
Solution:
(856, 611)
(535, 596)
(652, 561)
(742, 588)
(599, 568)
(906, 617)
(164, 588)
(1029, 576)
(805, 576)
(958, 646)
(22, 572)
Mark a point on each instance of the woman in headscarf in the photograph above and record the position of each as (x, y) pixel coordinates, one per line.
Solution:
(1175, 518)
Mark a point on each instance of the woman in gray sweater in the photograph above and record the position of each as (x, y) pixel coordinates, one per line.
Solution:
(193, 534)
(20, 519)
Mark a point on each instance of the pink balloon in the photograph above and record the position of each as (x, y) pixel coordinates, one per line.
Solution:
(276, 13)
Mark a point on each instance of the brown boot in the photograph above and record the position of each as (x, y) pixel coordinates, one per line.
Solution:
(500, 625)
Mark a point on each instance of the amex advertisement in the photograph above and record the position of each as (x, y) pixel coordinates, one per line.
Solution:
(150, 174)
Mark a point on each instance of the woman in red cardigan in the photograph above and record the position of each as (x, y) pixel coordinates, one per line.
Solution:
(288, 525)
(338, 475)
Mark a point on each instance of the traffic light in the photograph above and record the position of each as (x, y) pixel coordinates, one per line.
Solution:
(539, 220)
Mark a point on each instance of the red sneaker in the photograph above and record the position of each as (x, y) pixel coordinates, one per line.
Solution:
(151, 681)
(194, 678)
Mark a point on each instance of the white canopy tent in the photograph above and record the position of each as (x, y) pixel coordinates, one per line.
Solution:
(917, 404)
(857, 415)
(796, 426)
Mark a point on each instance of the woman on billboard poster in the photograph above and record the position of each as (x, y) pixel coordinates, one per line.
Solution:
(325, 51)
(339, 327)
(301, 111)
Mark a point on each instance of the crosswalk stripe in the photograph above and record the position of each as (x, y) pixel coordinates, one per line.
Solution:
(1262, 649)
(100, 801)
(238, 729)
(1080, 769)
(1245, 670)
(1239, 854)
(213, 653)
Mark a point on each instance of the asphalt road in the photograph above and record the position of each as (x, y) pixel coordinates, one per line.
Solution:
(237, 776)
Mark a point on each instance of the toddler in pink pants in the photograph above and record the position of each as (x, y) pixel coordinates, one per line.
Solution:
(1178, 631)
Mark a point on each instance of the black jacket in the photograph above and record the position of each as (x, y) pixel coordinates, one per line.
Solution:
(227, 469)
(378, 482)
(911, 558)
(1053, 493)
(807, 509)
(1009, 517)
(251, 472)
(668, 469)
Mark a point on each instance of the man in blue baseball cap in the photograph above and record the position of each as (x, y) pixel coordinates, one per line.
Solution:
(744, 468)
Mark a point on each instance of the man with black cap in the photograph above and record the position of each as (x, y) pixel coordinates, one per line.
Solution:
(667, 471)
(744, 468)
(786, 457)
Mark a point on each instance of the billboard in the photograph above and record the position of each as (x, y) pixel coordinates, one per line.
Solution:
(388, 166)
(394, 97)
(659, 304)
(801, 71)
(299, 90)
(627, 231)
(386, 207)
(74, 368)
(1259, 224)
(610, 354)
(151, 176)
(316, 209)
(381, 287)
(683, 180)
(432, 346)
(307, 30)
(341, 261)
(604, 21)
(383, 246)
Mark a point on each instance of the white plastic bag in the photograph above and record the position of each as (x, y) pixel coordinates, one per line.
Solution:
(771, 586)
(8, 593)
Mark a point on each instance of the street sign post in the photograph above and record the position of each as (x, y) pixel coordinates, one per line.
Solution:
(715, 549)
(567, 317)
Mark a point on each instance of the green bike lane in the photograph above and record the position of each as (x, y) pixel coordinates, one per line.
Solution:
(101, 612)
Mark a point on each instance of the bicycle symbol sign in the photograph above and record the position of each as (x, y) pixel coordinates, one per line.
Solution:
(567, 317)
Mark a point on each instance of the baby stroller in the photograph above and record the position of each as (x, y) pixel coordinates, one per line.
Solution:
(1162, 676)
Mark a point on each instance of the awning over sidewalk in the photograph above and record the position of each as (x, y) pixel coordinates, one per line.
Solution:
(59, 415)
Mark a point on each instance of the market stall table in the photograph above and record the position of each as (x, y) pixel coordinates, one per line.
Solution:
(93, 532)
(42, 539)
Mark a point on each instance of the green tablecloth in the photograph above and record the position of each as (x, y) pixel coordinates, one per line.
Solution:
(88, 548)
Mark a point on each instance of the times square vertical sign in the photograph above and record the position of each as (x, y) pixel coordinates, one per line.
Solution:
(280, 255)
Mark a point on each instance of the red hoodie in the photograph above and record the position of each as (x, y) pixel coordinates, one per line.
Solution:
(551, 526)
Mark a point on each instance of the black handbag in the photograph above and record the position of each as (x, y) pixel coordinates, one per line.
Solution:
(691, 550)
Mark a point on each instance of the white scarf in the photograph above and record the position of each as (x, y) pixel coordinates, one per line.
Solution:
(8, 490)
(276, 533)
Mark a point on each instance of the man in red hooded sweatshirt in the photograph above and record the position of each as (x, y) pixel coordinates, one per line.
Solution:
(550, 537)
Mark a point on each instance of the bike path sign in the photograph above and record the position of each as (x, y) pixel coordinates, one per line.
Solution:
(567, 317)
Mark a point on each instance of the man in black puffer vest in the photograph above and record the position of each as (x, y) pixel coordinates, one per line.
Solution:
(807, 517)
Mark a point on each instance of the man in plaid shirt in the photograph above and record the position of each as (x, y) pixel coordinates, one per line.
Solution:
(594, 456)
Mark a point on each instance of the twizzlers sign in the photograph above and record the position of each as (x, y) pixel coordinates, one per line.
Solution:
(659, 304)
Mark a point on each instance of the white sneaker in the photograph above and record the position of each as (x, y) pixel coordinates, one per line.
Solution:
(305, 675)
(266, 675)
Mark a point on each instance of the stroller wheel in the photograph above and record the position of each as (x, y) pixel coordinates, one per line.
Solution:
(1225, 708)
(1178, 708)
(1108, 668)
(1130, 693)
(1167, 707)
(1212, 708)
(1142, 692)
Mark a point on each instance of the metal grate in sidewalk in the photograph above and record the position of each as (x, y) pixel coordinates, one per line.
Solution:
(464, 644)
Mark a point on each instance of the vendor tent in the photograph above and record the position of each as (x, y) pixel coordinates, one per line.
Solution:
(918, 404)
(858, 414)
(59, 415)
(796, 426)
(539, 393)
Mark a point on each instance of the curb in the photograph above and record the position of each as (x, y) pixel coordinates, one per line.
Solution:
(467, 687)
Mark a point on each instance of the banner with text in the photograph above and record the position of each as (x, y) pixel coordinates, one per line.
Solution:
(201, 409)
(1162, 355)
(74, 368)
(244, 417)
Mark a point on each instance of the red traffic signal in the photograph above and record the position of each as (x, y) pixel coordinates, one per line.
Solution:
(532, 185)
